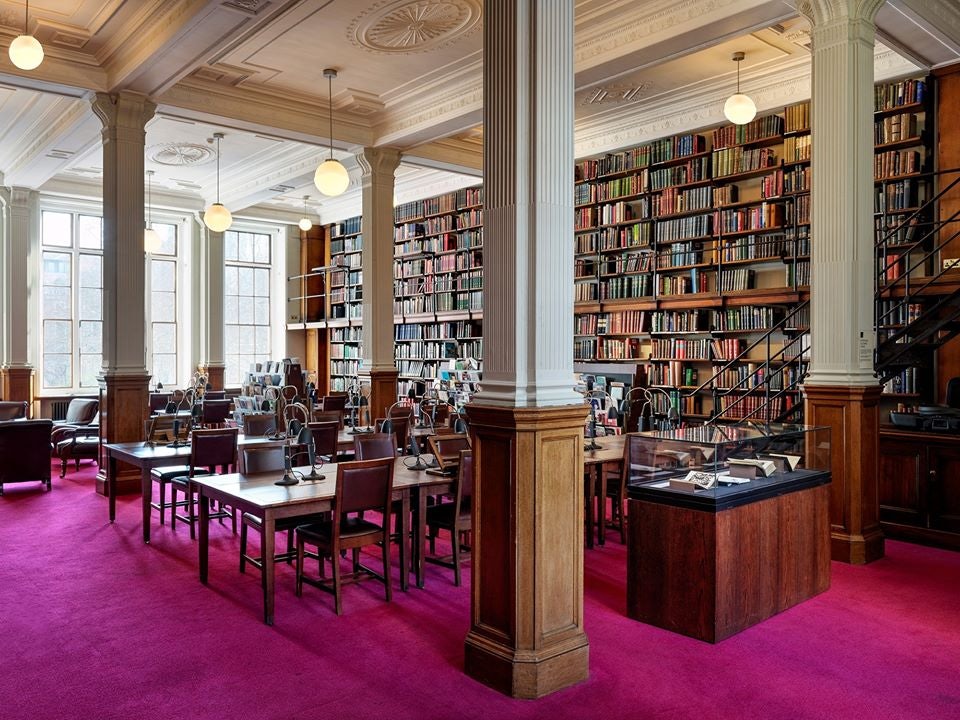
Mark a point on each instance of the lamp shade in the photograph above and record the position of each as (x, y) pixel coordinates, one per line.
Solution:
(26, 52)
(151, 240)
(305, 224)
(739, 109)
(217, 217)
(331, 178)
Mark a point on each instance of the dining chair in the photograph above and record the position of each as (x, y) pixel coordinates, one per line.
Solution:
(214, 413)
(370, 446)
(334, 403)
(259, 424)
(454, 516)
(362, 486)
(265, 460)
(326, 435)
(401, 429)
(209, 450)
(326, 416)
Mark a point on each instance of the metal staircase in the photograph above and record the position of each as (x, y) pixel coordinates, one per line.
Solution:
(917, 302)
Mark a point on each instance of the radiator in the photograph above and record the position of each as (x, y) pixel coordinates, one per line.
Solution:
(58, 409)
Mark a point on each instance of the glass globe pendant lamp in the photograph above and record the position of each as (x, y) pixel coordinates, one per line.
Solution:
(739, 108)
(305, 222)
(331, 177)
(216, 216)
(25, 51)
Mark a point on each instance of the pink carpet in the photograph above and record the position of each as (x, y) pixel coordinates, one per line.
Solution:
(96, 625)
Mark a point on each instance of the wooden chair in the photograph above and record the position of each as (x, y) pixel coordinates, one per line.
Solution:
(401, 429)
(370, 446)
(259, 424)
(455, 516)
(327, 416)
(362, 486)
(261, 460)
(158, 401)
(13, 409)
(209, 450)
(214, 413)
(326, 435)
(446, 449)
(334, 403)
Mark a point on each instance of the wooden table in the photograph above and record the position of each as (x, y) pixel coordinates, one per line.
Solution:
(609, 453)
(422, 485)
(258, 495)
(147, 457)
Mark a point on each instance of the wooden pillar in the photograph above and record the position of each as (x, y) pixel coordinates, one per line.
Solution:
(377, 367)
(526, 625)
(20, 245)
(842, 390)
(124, 381)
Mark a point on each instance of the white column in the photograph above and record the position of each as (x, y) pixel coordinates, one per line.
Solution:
(124, 117)
(528, 204)
(842, 254)
(19, 250)
(378, 166)
(210, 301)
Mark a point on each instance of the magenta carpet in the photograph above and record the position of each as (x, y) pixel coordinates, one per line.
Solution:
(93, 624)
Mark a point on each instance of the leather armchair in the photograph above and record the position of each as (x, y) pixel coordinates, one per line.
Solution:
(12, 410)
(25, 452)
(76, 442)
(80, 411)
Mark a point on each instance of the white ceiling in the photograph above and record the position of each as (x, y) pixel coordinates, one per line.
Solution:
(410, 77)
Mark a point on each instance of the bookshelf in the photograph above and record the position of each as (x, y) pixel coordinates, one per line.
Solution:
(344, 326)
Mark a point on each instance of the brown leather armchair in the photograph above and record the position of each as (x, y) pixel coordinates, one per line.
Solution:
(25, 452)
(76, 442)
(12, 410)
(80, 411)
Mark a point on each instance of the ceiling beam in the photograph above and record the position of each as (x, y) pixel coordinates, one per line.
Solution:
(448, 154)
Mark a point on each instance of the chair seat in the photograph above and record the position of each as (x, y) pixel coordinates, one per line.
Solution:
(284, 523)
(82, 447)
(168, 473)
(443, 515)
(184, 480)
(349, 528)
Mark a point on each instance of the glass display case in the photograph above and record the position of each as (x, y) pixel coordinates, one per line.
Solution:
(721, 466)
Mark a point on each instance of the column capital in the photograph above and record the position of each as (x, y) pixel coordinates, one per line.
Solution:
(375, 161)
(21, 197)
(124, 109)
(822, 12)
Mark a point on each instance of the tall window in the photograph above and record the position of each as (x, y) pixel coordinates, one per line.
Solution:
(162, 273)
(71, 308)
(246, 308)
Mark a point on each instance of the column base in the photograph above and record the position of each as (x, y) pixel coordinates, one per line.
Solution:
(383, 390)
(124, 409)
(526, 637)
(16, 383)
(214, 373)
(854, 414)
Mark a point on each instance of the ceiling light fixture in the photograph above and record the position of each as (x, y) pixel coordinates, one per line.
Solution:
(26, 52)
(331, 177)
(217, 217)
(739, 109)
(151, 240)
(305, 222)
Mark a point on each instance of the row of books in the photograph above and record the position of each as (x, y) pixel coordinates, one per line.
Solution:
(348, 351)
(588, 192)
(736, 407)
(353, 243)
(736, 279)
(694, 170)
(797, 274)
(797, 179)
(448, 202)
(681, 254)
(895, 128)
(796, 118)
(727, 348)
(758, 217)
(344, 367)
(761, 128)
(349, 226)
(746, 317)
(628, 263)
(694, 226)
(754, 247)
(586, 218)
(903, 383)
(908, 193)
(617, 349)
(663, 150)
(894, 313)
(680, 349)
(896, 162)
(888, 96)
(736, 160)
(676, 200)
(346, 335)
(798, 212)
(627, 286)
(673, 373)
(447, 330)
(693, 282)
(796, 148)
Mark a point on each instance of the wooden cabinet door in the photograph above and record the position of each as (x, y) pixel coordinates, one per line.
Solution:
(944, 500)
(903, 482)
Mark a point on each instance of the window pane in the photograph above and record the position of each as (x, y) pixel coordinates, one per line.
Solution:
(91, 337)
(263, 342)
(261, 249)
(245, 281)
(230, 246)
(91, 304)
(57, 336)
(91, 270)
(164, 338)
(90, 366)
(232, 370)
(261, 311)
(245, 343)
(56, 230)
(56, 269)
(245, 315)
(231, 283)
(168, 240)
(163, 307)
(56, 302)
(56, 371)
(231, 315)
(165, 369)
(91, 232)
(261, 282)
(246, 247)
(231, 337)
(163, 275)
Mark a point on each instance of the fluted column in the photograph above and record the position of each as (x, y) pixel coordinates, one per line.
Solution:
(20, 245)
(841, 390)
(210, 307)
(526, 627)
(124, 380)
(377, 366)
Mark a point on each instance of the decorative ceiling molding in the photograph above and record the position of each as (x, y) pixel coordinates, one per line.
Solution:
(251, 7)
(179, 154)
(414, 26)
(615, 94)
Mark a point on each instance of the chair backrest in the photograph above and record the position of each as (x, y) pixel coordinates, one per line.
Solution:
(13, 410)
(215, 411)
(370, 446)
(212, 448)
(259, 424)
(80, 411)
(159, 428)
(325, 437)
(446, 448)
(333, 403)
(465, 482)
(363, 485)
(25, 450)
(327, 416)
(401, 427)
(263, 459)
(215, 395)
(158, 401)
(952, 398)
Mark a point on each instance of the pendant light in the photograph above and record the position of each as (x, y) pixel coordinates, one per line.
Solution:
(331, 177)
(305, 222)
(216, 216)
(151, 240)
(739, 109)
(26, 52)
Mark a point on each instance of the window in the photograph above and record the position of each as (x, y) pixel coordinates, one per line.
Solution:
(246, 309)
(162, 277)
(71, 308)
